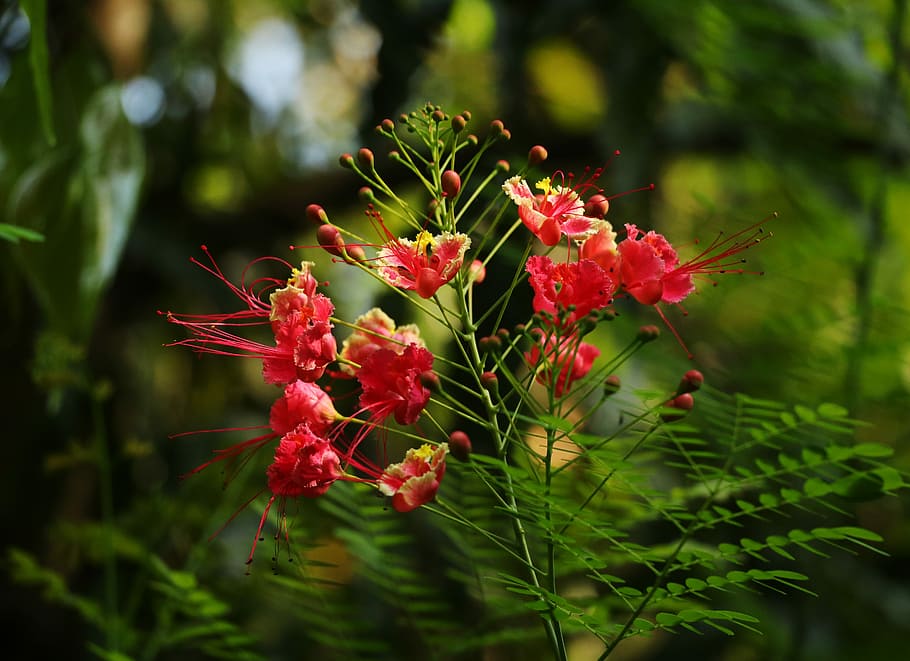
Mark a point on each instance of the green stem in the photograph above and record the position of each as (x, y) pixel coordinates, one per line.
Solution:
(106, 495)
(551, 623)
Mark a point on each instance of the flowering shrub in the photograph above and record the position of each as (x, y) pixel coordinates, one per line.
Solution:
(540, 480)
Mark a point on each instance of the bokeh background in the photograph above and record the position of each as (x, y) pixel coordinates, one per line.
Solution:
(133, 131)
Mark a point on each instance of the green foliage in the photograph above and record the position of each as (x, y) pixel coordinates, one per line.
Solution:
(36, 10)
(177, 614)
(740, 498)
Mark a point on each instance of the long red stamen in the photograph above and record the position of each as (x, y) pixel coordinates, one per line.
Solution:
(676, 334)
(265, 515)
(712, 259)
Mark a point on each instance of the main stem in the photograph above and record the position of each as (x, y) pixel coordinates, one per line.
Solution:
(551, 623)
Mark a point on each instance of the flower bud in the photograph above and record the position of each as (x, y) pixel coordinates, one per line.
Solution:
(460, 445)
(430, 381)
(604, 314)
(316, 214)
(355, 253)
(586, 324)
(489, 343)
(466, 114)
(458, 123)
(438, 115)
(647, 333)
(612, 385)
(366, 195)
(330, 239)
(506, 134)
(365, 158)
(496, 127)
(504, 334)
(387, 125)
(691, 381)
(472, 139)
(537, 155)
(503, 167)
(346, 161)
(677, 408)
(597, 206)
(477, 271)
(451, 183)
(490, 382)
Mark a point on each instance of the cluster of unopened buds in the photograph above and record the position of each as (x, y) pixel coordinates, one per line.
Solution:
(390, 365)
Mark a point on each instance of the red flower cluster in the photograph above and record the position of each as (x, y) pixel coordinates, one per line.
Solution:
(643, 266)
(390, 364)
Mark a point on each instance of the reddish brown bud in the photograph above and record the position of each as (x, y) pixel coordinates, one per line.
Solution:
(477, 271)
(316, 214)
(365, 158)
(330, 239)
(472, 139)
(691, 381)
(347, 161)
(647, 334)
(489, 343)
(504, 334)
(506, 134)
(489, 381)
(496, 127)
(438, 115)
(451, 183)
(458, 123)
(366, 195)
(355, 253)
(466, 114)
(612, 384)
(387, 125)
(537, 155)
(597, 206)
(503, 166)
(677, 408)
(460, 445)
(430, 381)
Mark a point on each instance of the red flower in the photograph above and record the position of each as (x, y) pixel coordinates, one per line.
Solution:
(415, 481)
(557, 211)
(305, 464)
(375, 330)
(567, 357)
(557, 287)
(423, 265)
(601, 248)
(302, 402)
(651, 272)
(304, 346)
(648, 268)
(392, 385)
(299, 318)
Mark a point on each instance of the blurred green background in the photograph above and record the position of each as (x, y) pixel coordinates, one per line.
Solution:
(132, 131)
